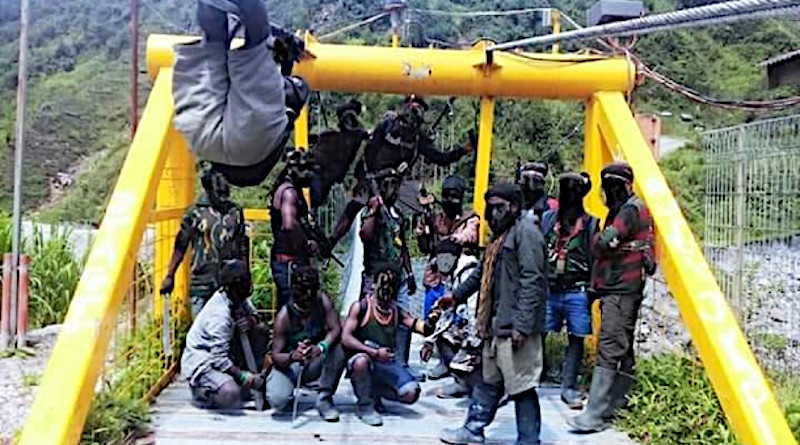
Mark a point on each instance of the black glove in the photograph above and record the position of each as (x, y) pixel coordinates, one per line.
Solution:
(288, 49)
(412, 285)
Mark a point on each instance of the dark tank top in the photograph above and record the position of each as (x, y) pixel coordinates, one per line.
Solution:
(289, 242)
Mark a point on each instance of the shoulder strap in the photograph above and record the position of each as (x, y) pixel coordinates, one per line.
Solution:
(363, 310)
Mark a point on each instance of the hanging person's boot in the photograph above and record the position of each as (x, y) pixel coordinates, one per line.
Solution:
(481, 413)
(529, 418)
(623, 382)
(569, 374)
(591, 420)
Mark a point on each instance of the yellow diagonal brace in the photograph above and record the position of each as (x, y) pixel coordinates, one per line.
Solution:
(68, 385)
(737, 379)
(483, 164)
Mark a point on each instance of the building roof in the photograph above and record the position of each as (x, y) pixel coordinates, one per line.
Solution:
(781, 58)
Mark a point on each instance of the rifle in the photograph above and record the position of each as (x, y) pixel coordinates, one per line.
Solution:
(312, 232)
(250, 359)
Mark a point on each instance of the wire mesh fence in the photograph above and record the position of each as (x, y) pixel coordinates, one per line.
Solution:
(752, 232)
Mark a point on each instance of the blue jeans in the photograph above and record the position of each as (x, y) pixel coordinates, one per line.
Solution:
(571, 308)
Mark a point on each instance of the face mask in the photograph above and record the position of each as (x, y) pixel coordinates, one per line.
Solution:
(451, 203)
(446, 263)
(388, 189)
(500, 217)
(570, 195)
(615, 193)
(386, 287)
(239, 290)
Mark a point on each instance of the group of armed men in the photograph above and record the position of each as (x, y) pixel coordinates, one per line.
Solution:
(547, 259)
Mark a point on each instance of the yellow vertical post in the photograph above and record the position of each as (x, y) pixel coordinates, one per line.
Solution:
(301, 129)
(555, 17)
(483, 163)
(395, 39)
(175, 191)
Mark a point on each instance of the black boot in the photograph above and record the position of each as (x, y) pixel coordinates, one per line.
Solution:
(619, 394)
(569, 374)
(529, 418)
(591, 420)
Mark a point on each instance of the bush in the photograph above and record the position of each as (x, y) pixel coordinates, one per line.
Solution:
(54, 275)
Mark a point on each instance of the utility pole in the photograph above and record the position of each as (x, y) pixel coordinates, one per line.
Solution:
(22, 94)
(134, 117)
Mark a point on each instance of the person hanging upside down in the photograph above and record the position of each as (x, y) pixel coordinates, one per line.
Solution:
(369, 336)
(236, 106)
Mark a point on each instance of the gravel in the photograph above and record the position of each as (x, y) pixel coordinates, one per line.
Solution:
(19, 377)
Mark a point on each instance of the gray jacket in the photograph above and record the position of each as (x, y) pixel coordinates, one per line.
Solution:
(519, 282)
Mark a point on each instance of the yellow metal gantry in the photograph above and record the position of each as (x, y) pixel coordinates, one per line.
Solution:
(67, 388)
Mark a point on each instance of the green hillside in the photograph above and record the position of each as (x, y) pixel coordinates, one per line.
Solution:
(79, 83)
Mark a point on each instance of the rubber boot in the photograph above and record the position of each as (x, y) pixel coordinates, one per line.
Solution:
(481, 413)
(619, 394)
(529, 418)
(569, 374)
(591, 420)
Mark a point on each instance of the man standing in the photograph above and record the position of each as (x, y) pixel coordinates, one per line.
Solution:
(215, 229)
(306, 343)
(395, 145)
(531, 177)
(369, 335)
(236, 107)
(290, 225)
(623, 257)
(383, 231)
(452, 223)
(568, 233)
(510, 318)
(215, 380)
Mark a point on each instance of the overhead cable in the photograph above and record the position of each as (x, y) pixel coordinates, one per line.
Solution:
(701, 16)
(479, 13)
(347, 28)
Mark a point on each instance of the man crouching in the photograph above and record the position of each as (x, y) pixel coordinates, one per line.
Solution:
(216, 381)
(369, 335)
(305, 345)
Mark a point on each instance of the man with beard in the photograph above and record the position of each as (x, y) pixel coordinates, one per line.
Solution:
(623, 258)
(531, 177)
(290, 225)
(396, 144)
(236, 107)
(369, 336)
(568, 233)
(214, 227)
(383, 231)
(510, 319)
(306, 343)
(216, 381)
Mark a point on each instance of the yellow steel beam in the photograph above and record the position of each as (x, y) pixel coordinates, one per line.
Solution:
(301, 129)
(261, 215)
(482, 164)
(68, 385)
(354, 68)
(555, 17)
(737, 379)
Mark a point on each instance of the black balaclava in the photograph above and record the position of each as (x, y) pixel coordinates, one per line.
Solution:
(217, 188)
(388, 186)
(531, 178)
(235, 278)
(410, 121)
(453, 189)
(299, 167)
(386, 283)
(502, 216)
(573, 187)
(617, 183)
(348, 115)
(305, 286)
(447, 254)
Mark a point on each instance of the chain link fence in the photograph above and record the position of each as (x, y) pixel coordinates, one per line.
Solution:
(752, 232)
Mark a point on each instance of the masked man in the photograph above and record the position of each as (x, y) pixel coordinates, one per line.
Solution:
(294, 238)
(510, 319)
(215, 229)
(306, 343)
(236, 107)
(452, 223)
(395, 145)
(623, 258)
(568, 233)
(369, 336)
(383, 231)
(216, 380)
(531, 177)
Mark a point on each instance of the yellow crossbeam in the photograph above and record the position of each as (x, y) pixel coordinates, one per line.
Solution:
(737, 379)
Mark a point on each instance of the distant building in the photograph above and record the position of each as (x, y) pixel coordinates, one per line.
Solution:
(783, 69)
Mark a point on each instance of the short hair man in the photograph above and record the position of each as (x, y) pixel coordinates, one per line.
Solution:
(369, 336)
(306, 342)
(215, 380)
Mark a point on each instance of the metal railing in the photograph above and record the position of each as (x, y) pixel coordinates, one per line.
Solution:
(752, 232)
